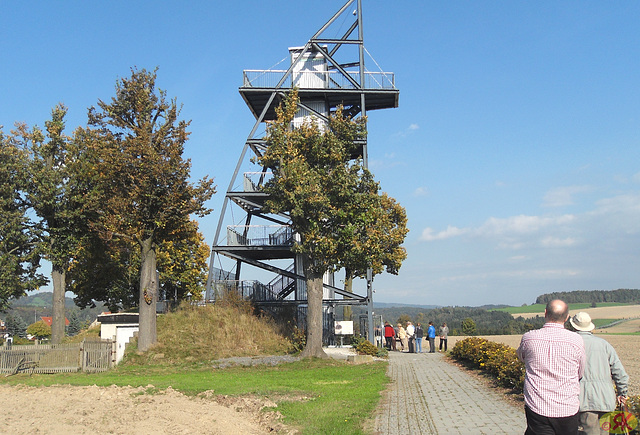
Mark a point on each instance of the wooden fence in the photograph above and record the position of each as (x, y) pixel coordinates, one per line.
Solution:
(88, 356)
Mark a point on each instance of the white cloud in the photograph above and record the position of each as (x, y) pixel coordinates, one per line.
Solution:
(428, 234)
(555, 242)
(521, 224)
(407, 131)
(629, 203)
(563, 196)
(513, 233)
(421, 191)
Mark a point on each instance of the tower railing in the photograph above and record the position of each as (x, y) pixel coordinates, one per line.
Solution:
(331, 79)
(259, 235)
(246, 289)
(253, 181)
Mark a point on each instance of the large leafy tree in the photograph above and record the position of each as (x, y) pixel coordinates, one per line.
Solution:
(334, 205)
(52, 200)
(136, 181)
(19, 256)
(109, 272)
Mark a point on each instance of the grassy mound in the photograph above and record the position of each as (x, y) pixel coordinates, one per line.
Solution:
(199, 334)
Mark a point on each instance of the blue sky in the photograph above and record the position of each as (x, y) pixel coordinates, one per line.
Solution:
(515, 149)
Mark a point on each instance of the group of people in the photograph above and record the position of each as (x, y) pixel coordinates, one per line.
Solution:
(409, 339)
(569, 376)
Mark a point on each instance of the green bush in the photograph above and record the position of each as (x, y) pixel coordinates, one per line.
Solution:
(497, 359)
(367, 348)
(382, 352)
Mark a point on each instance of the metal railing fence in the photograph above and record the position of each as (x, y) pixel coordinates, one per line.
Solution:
(329, 79)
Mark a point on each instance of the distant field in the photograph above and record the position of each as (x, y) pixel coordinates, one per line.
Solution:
(628, 327)
(618, 311)
(539, 308)
(604, 322)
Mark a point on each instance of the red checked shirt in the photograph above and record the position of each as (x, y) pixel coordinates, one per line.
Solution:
(554, 359)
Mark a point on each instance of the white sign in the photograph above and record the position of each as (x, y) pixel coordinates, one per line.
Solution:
(344, 327)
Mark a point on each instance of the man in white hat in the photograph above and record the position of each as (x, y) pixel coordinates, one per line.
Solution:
(597, 396)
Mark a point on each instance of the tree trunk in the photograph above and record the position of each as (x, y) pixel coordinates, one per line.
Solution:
(347, 310)
(58, 276)
(313, 347)
(147, 335)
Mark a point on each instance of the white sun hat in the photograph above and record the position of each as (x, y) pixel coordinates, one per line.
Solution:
(582, 322)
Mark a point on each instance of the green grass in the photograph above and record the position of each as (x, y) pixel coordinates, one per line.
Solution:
(316, 396)
(539, 308)
(603, 322)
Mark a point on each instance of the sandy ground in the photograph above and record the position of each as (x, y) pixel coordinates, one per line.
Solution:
(619, 312)
(625, 345)
(126, 410)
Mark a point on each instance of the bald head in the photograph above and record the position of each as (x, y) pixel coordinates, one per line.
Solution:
(557, 311)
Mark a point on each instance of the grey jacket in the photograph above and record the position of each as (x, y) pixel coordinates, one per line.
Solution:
(602, 371)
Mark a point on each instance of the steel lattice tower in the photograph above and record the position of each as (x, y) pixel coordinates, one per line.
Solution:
(328, 72)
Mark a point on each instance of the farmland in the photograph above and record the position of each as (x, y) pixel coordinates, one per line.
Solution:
(601, 312)
(538, 309)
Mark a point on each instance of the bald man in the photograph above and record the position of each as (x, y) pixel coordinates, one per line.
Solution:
(554, 359)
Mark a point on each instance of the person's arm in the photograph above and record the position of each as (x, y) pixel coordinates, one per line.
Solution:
(520, 350)
(618, 374)
(582, 361)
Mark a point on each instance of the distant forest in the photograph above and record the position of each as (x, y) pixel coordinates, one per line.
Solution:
(30, 308)
(483, 322)
(593, 296)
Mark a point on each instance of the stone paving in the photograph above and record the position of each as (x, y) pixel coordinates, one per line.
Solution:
(428, 395)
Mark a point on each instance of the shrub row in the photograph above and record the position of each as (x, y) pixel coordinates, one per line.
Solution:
(502, 363)
(497, 359)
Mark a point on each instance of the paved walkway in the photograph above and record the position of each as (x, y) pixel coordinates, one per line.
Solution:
(428, 395)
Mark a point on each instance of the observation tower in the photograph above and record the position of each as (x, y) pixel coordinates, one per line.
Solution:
(251, 250)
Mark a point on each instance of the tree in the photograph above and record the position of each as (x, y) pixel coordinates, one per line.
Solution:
(469, 326)
(136, 181)
(19, 256)
(333, 203)
(75, 325)
(49, 196)
(109, 272)
(16, 326)
(403, 319)
(39, 330)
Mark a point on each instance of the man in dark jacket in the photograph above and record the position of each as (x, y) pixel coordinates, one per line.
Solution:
(419, 335)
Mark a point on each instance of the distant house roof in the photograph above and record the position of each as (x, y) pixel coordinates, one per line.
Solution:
(48, 320)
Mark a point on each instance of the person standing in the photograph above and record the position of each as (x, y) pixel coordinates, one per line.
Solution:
(389, 336)
(444, 336)
(402, 336)
(411, 330)
(431, 335)
(597, 397)
(419, 335)
(554, 360)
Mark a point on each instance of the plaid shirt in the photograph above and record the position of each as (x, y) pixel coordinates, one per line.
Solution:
(554, 359)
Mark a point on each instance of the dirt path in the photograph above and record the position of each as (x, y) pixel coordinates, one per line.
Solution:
(126, 410)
